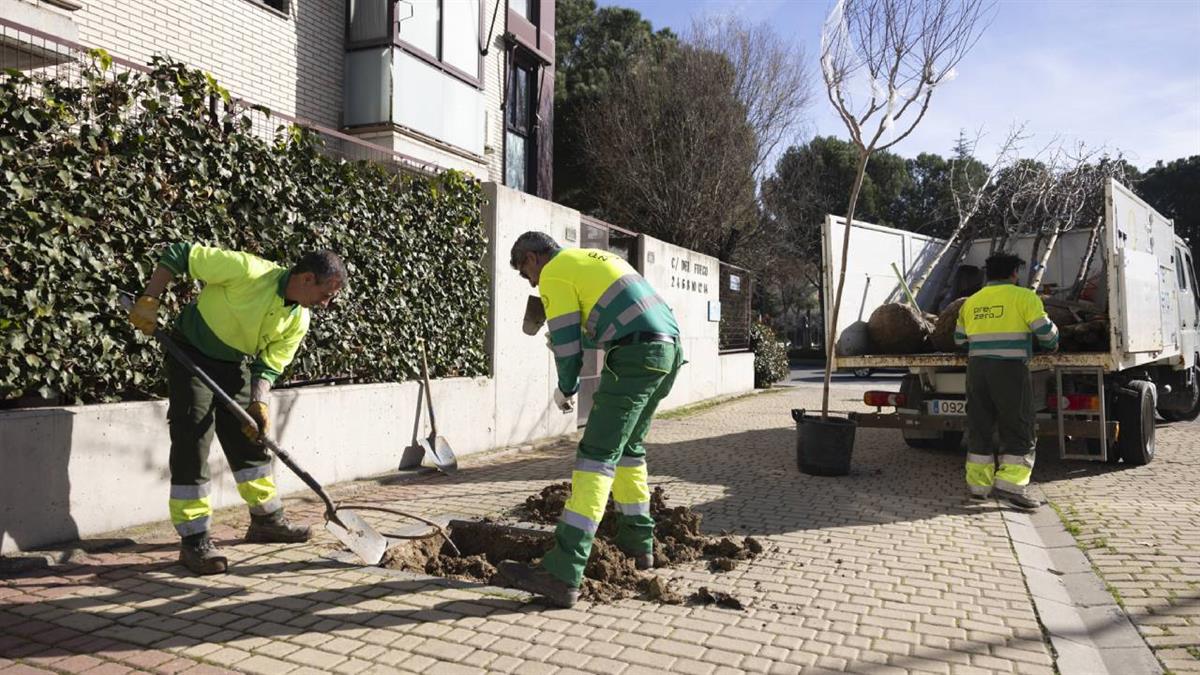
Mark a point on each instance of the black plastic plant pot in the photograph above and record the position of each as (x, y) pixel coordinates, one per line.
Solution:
(823, 446)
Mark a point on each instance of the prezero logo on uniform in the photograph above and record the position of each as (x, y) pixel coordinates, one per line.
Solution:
(988, 312)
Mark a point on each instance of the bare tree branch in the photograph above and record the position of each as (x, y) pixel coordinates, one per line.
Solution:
(967, 205)
(771, 79)
(674, 152)
(897, 52)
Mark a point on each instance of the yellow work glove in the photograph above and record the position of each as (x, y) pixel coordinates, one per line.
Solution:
(257, 410)
(144, 314)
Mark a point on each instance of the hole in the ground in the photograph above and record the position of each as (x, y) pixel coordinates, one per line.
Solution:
(610, 574)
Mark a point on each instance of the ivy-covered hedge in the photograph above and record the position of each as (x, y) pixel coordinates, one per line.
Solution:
(96, 175)
(770, 356)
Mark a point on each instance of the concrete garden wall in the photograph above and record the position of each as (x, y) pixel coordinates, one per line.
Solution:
(78, 471)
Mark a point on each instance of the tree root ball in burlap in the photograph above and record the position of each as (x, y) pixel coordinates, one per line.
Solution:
(854, 340)
(943, 332)
(897, 328)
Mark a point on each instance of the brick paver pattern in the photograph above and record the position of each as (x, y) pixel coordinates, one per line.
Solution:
(1140, 528)
(890, 569)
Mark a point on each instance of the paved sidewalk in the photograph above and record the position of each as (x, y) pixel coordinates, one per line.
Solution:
(888, 570)
(1140, 527)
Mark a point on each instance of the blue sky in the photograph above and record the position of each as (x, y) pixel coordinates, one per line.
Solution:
(1123, 75)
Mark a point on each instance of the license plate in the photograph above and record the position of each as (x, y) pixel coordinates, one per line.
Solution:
(947, 407)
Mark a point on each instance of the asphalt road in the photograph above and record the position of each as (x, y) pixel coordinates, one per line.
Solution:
(810, 374)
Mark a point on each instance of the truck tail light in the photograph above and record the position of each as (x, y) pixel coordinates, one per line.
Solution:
(1073, 402)
(879, 399)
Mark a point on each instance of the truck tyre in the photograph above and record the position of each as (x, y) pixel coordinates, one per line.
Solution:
(1135, 412)
(1192, 412)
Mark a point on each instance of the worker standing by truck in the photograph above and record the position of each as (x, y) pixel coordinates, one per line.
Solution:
(248, 308)
(997, 325)
(594, 298)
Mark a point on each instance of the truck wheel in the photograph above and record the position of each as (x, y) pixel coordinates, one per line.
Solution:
(1191, 413)
(862, 372)
(1135, 412)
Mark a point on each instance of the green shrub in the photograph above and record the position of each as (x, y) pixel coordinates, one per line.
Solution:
(770, 356)
(97, 175)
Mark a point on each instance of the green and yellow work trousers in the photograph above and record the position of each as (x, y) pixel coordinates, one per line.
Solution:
(611, 457)
(999, 399)
(192, 415)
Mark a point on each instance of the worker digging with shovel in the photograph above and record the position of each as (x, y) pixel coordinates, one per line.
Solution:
(594, 298)
(249, 308)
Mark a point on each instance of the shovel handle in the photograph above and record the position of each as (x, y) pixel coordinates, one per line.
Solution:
(237, 411)
(428, 394)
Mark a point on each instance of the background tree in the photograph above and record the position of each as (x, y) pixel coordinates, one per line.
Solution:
(969, 183)
(668, 137)
(593, 47)
(770, 79)
(1173, 189)
(925, 204)
(809, 181)
(814, 179)
(672, 151)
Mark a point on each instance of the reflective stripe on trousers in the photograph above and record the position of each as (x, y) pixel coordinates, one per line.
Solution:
(590, 484)
(260, 495)
(191, 508)
(613, 458)
(631, 489)
(1012, 477)
(999, 407)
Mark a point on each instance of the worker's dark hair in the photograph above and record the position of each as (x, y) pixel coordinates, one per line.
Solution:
(323, 265)
(1001, 266)
(538, 243)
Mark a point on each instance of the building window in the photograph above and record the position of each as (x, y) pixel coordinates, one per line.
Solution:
(445, 31)
(523, 9)
(277, 5)
(368, 22)
(520, 108)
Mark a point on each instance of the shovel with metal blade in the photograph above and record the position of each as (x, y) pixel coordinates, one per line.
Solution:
(347, 526)
(436, 448)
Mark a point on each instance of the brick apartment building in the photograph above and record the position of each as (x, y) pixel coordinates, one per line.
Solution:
(462, 84)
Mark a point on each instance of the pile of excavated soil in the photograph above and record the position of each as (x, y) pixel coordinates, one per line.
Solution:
(482, 544)
(610, 575)
(677, 536)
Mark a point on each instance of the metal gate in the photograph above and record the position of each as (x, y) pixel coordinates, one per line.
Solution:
(599, 234)
(737, 287)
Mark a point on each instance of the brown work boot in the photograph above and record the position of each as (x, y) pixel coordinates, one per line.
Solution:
(201, 556)
(274, 528)
(538, 581)
(643, 561)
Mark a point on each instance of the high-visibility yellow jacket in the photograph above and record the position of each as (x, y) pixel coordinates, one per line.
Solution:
(999, 321)
(241, 311)
(592, 298)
